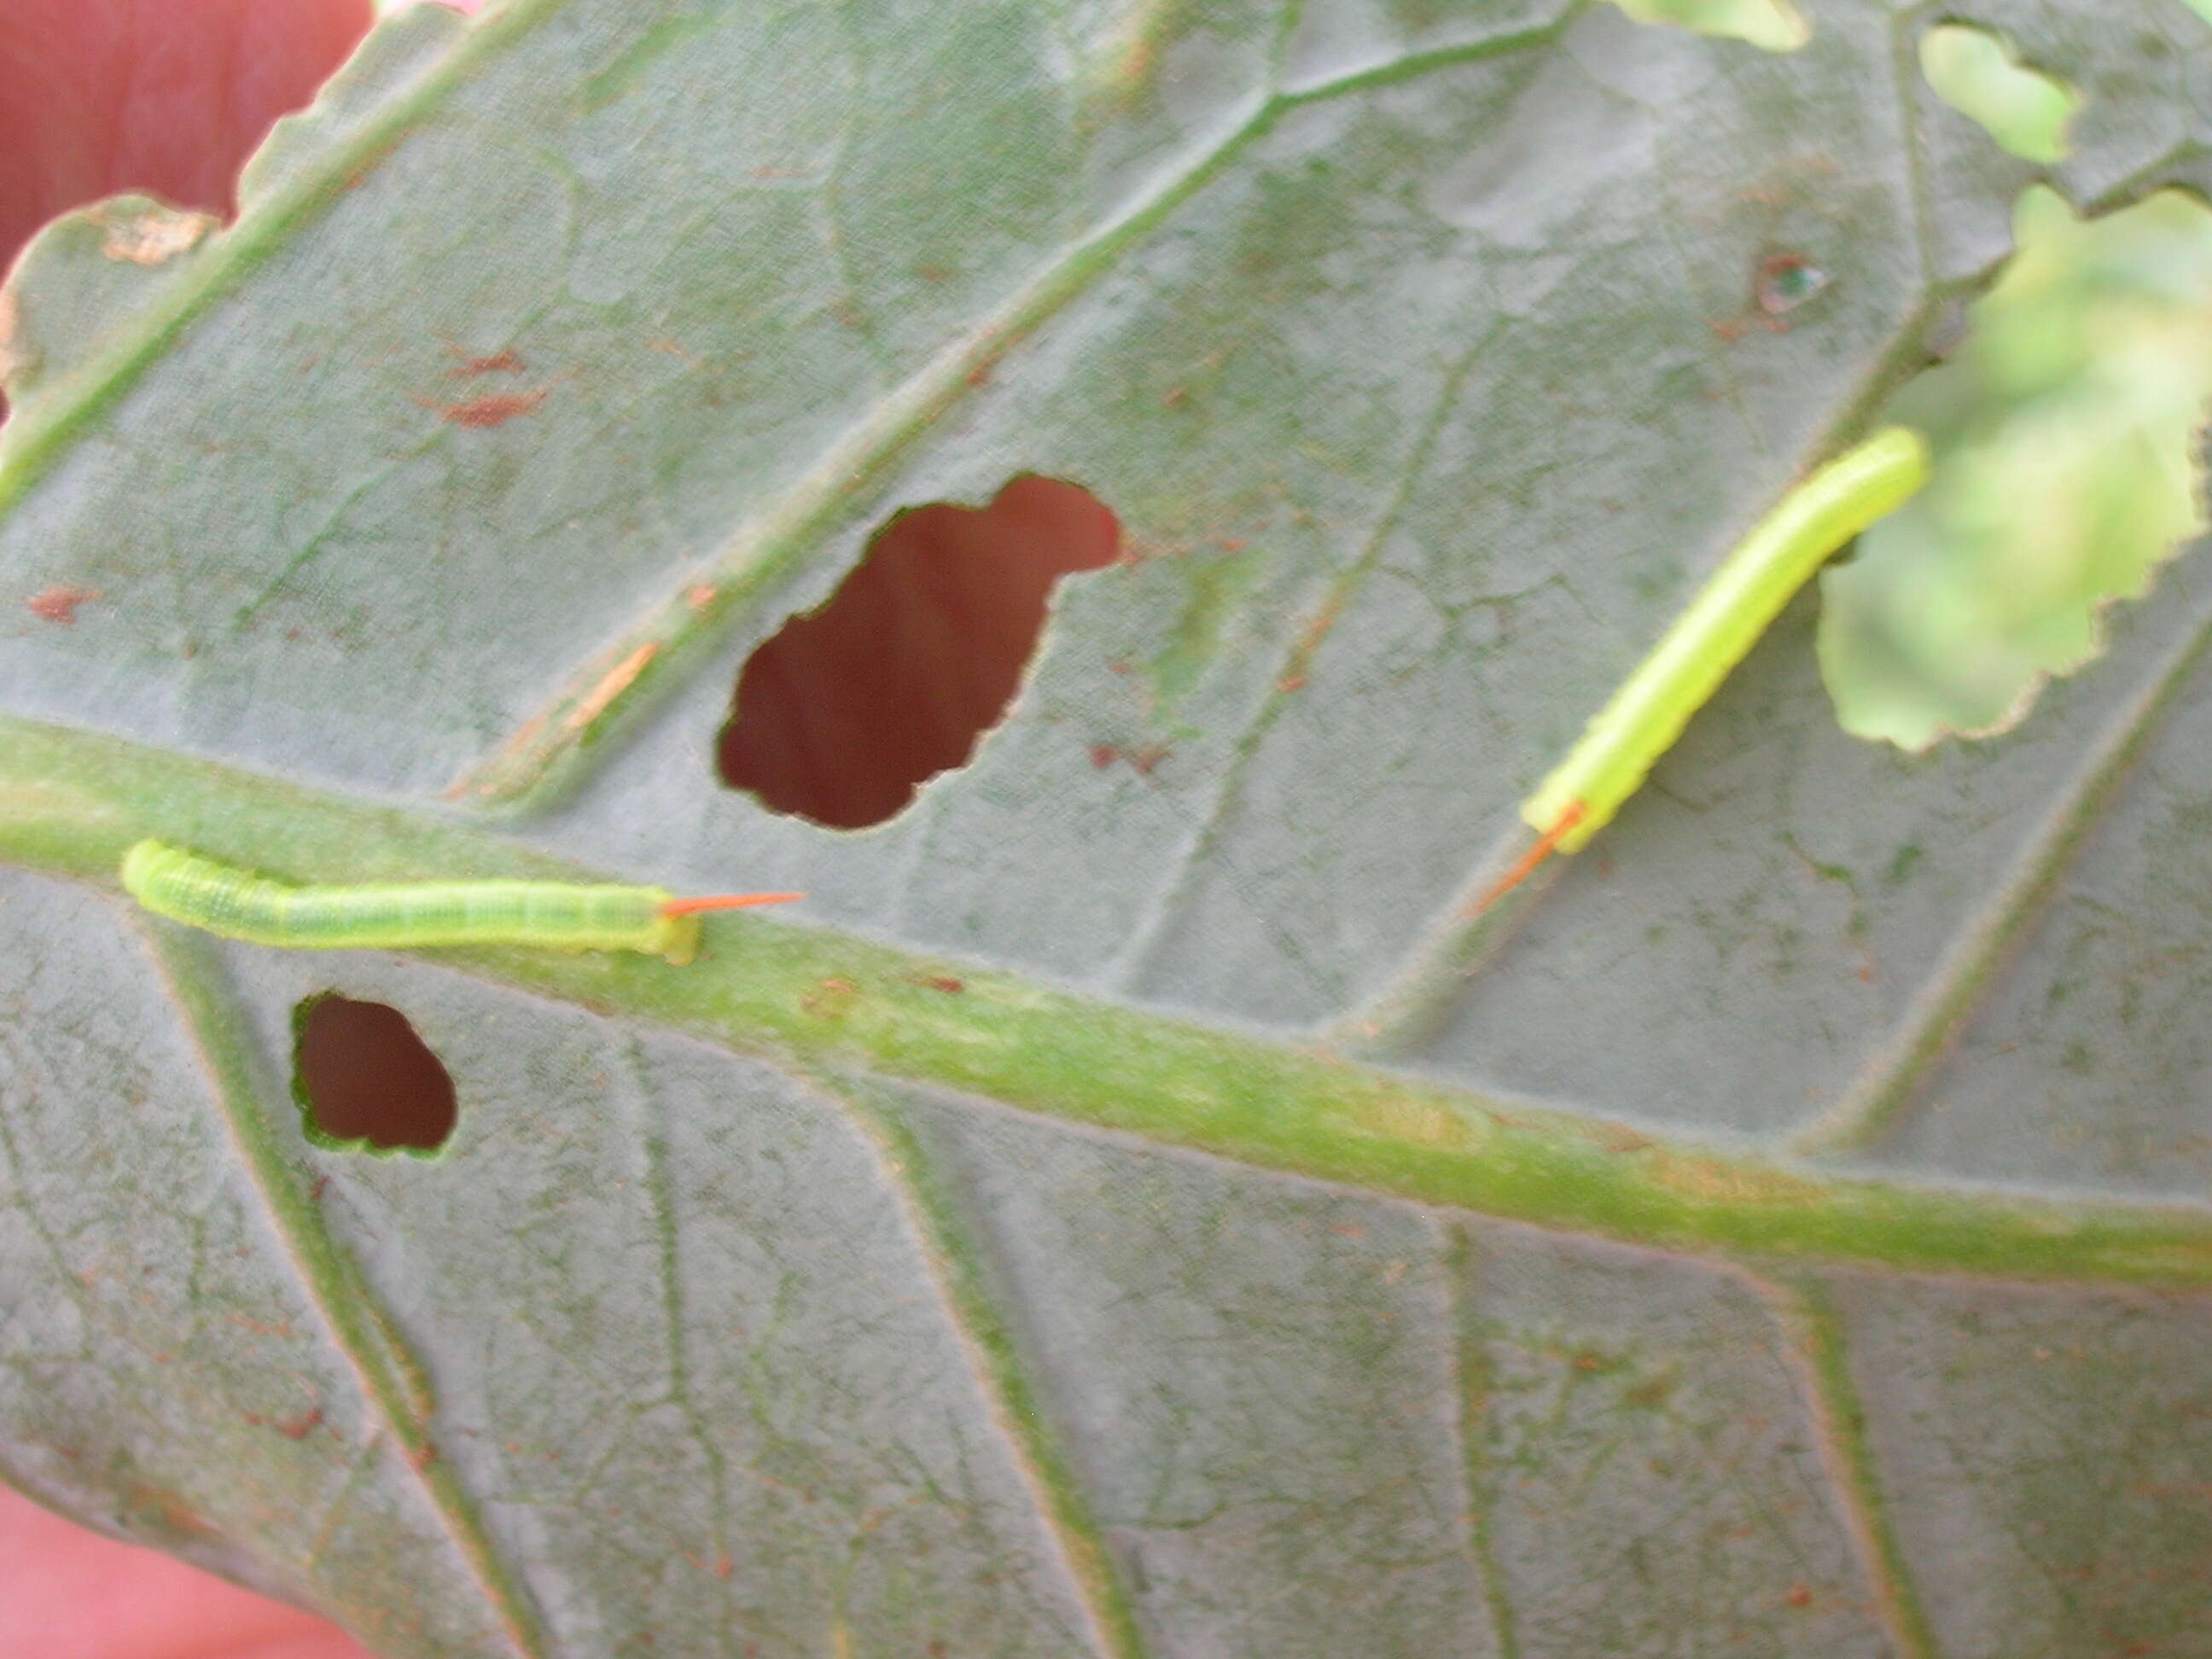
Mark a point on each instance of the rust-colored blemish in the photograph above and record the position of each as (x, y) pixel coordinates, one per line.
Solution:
(58, 603)
(1141, 761)
(830, 998)
(617, 680)
(420, 1458)
(1798, 1595)
(496, 409)
(1137, 62)
(1308, 645)
(700, 595)
(260, 1327)
(1318, 628)
(165, 1509)
(945, 982)
(1173, 397)
(981, 374)
(300, 1426)
(1618, 1138)
(502, 362)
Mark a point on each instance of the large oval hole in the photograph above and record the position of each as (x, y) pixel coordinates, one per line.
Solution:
(363, 1077)
(844, 711)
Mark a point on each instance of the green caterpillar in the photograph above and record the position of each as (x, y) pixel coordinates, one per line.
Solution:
(1644, 717)
(554, 916)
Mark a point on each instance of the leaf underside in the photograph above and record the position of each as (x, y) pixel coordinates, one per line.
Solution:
(1112, 1219)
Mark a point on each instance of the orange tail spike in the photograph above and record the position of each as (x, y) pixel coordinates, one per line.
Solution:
(692, 907)
(1526, 864)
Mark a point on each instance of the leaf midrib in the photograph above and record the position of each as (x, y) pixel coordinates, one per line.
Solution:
(71, 802)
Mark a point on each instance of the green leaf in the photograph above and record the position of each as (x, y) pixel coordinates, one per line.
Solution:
(2066, 430)
(1111, 1217)
(1973, 71)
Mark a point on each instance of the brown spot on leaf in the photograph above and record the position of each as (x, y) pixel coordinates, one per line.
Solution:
(503, 363)
(830, 998)
(496, 410)
(1618, 1138)
(1141, 761)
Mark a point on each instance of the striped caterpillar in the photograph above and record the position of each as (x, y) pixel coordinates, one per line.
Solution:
(553, 915)
(1743, 597)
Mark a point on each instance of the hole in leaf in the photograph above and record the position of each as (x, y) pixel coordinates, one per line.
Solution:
(1774, 25)
(846, 711)
(363, 1079)
(2066, 472)
(1978, 74)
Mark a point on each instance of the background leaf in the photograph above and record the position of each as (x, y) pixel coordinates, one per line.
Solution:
(1160, 1289)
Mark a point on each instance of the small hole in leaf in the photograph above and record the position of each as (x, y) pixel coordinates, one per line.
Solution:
(364, 1078)
(1773, 25)
(844, 711)
(1978, 74)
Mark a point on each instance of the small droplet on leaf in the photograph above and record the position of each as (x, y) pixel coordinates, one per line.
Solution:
(1786, 281)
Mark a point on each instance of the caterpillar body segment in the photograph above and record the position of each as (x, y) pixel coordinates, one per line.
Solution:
(552, 915)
